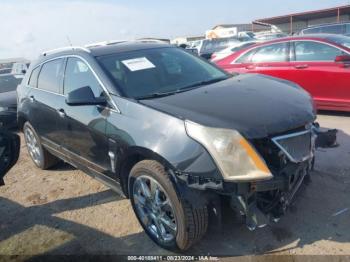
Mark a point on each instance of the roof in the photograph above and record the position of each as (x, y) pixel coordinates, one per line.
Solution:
(124, 47)
(101, 49)
(316, 14)
(322, 37)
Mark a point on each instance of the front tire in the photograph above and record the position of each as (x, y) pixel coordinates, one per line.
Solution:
(42, 158)
(171, 223)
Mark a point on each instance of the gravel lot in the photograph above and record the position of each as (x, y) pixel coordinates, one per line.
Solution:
(63, 211)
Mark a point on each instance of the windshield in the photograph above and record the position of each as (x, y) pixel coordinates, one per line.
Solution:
(340, 40)
(158, 71)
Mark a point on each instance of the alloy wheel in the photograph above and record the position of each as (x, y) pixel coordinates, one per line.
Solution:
(154, 208)
(33, 146)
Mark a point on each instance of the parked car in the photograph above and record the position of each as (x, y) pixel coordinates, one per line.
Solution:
(8, 101)
(335, 28)
(319, 63)
(230, 50)
(9, 152)
(210, 46)
(170, 131)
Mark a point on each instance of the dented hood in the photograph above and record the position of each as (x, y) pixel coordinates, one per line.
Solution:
(255, 105)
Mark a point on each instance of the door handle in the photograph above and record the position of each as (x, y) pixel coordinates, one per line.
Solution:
(32, 99)
(301, 66)
(250, 67)
(61, 112)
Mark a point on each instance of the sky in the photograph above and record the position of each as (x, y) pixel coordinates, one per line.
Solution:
(29, 27)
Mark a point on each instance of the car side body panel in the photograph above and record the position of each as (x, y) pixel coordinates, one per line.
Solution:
(142, 130)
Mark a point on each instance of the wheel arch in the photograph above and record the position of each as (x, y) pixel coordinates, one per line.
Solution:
(132, 157)
(21, 120)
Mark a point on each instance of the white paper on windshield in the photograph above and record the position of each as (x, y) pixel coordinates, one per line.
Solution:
(136, 64)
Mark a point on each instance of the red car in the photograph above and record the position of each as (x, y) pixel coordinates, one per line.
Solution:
(320, 64)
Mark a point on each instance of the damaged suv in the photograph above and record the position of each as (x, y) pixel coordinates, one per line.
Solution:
(170, 131)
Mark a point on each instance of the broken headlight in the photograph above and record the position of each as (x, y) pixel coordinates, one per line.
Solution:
(233, 154)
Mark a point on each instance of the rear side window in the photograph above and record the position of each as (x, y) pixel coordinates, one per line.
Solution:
(246, 57)
(271, 53)
(237, 48)
(78, 75)
(315, 51)
(49, 77)
(33, 80)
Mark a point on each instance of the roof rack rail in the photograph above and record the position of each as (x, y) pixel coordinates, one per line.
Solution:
(52, 51)
(109, 42)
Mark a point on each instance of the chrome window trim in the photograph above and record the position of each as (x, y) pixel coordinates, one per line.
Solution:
(57, 94)
(291, 41)
(276, 138)
(115, 107)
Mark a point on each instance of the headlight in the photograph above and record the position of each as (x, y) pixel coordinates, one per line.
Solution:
(234, 156)
(3, 108)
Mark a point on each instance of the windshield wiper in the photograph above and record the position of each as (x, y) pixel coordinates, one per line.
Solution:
(182, 89)
(206, 82)
(156, 95)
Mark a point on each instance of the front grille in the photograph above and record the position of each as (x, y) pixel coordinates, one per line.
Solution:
(296, 146)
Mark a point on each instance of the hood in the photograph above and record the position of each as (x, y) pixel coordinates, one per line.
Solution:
(255, 105)
(8, 99)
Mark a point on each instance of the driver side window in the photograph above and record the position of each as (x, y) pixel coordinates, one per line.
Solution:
(78, 75)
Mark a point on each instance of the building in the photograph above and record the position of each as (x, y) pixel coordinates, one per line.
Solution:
(295, 22)
(232, 30)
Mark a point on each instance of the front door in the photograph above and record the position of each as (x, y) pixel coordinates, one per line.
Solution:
(84, 131)
(314, 68)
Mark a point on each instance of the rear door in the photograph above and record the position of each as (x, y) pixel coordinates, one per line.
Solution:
(45, 97)
(314, 68)
(85, 126)
(272, 59)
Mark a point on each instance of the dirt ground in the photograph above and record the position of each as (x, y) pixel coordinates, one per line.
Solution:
(63, 211)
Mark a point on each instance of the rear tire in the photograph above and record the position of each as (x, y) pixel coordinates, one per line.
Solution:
(42, 158)
(191, 223)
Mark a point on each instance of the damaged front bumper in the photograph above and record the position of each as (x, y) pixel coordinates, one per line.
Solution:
(290, 158)
(266, 201)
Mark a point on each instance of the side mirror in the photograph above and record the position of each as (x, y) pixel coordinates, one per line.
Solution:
(343, 59)
(9, 152)
(84, 96)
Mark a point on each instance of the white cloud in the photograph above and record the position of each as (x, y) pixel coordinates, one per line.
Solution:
(27, 28)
